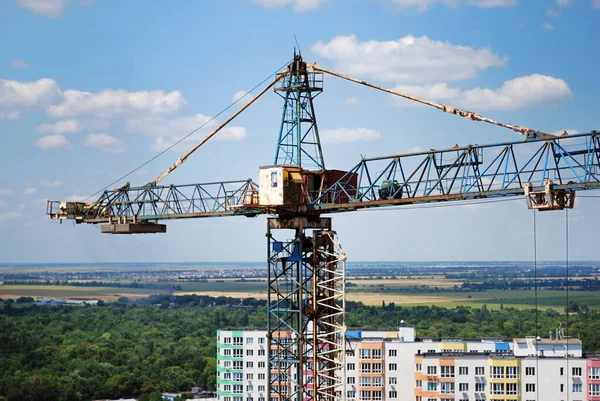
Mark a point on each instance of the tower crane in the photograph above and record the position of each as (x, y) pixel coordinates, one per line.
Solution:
(306, 272)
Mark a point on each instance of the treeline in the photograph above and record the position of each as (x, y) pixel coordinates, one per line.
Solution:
(168, 343)
(134, 284)
(554, 284)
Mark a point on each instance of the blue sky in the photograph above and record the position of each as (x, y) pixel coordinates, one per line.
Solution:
(90, 89)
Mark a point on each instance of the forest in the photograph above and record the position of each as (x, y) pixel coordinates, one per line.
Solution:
(166, 343)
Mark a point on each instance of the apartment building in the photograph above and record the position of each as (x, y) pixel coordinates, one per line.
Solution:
(392, 365)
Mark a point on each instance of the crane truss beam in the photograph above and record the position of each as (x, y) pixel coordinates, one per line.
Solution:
(564, 164)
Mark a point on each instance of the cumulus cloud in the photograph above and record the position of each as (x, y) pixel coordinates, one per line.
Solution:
(116, 103)
(104, 142)
(47, 8)
(168, 131)
(29, 191)
(422, 5)
(406, 60)
(346, 135)
(5, 192)
(9, 115)
(18, 64)
(243, 97)
(15, 94)
(53, 142)
(60, 127)
(528, 91)
(351, 101)
(547, 26)
(564, 3)
(51, 184)
(297, 5)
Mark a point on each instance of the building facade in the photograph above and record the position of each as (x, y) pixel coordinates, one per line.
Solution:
(395, 366)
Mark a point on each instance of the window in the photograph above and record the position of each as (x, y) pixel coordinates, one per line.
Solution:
(274, 179)
(392, 366)
(227, 387)
(480, 371)
(392, 352)
(249, 340)
(447, 371)
(365, 382)
(261, 398)
(418, 367)
(431, 370)
(479, 387)
(238, 340)
(365, 395)
(238, 389)
(447, 388)
(226, 376)
(249, 399)
(351, 394)
(562, 387)
(432, 386)
(238, 398)
(227, 399)
(530, 371)
(261, 340)
(227, 340)
(249, 387)
(261, 376)
(463, 370)
(238, 364)
(250, 364)
(227, 352)
(377, 395)
(594, 388)
(392, 380)
(562, 371)
(497, 388)
(576, 371)
(351, 380)
(378, 368)
(350, 366)
(419, 383)
(530, 388)
(365, 368)
(392, 394)
(238, 377)
(261, 364)
(463, 387)
(577, 387)
(261, 352)
(512, 372)
(512, 389)
(249, 376)
(365, 354)
(497, 372)
(226, 364)
(594, 373)
(377, 354)
(249, 352)
(377, 382)
(238, 353)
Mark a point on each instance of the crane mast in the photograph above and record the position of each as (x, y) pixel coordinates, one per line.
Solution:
(306, 264)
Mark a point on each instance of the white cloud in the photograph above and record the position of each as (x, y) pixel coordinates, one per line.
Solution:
(47, 8)
(60, 127)
(5, 192)
(351, 101)
(18, 64)
(297, 5)
(104, 142)
(116, 103)
(346, 135)
(11, 215)
(53, 142)
(18, 94)
(76, 198)
(51, 184)
(243, 97)
(552, 13)
(422, 5)
(168, 131)
(29, 191)
(407, 60)
(9, 115)
(564, 3)
(528, 91)
(547, 26)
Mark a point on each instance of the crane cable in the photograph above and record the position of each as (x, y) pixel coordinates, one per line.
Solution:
(278, 71)
(567, 298)
(528, 132)
(535, 286)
